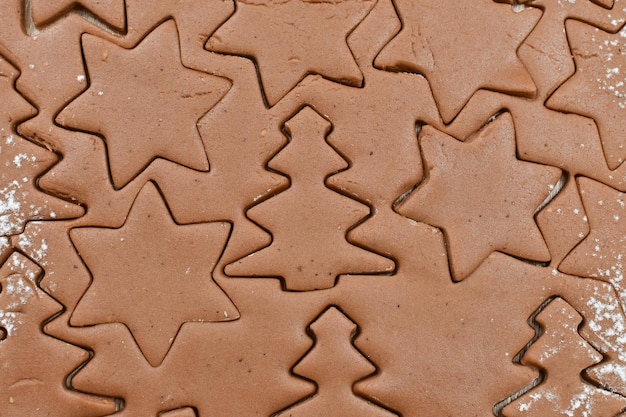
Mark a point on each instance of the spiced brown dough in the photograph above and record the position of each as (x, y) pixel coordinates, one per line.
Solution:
(312, 208)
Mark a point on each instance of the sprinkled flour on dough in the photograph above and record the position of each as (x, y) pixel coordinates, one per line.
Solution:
(613, 54)
(17, 290)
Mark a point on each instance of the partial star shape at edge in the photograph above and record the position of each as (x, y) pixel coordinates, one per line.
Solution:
(145, 103)
(602, 253)
(292, 42)
(461, 50)
(152, 274)
(598, 87)
(481, 195)
(111, 12)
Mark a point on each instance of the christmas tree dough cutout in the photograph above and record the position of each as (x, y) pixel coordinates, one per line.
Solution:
(309, 222)
(35, 367)
(334, 364)
(562, 354)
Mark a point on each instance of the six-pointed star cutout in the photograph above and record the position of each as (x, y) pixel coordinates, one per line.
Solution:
(152, 274)
(481, 196)
(144, 102)
(289, 44)
(112, 12)
(598, 87)
(460, 49)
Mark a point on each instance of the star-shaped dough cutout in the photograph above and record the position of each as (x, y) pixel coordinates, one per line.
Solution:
(601, 253)
(481, 196)
(111, 12)
(285, 40)
(144, 102)
(461, 47)
(598, 87)
(152, 274)
(545, 52)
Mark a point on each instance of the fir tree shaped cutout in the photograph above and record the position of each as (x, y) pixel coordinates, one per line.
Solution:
(309, 222)
(334, 364)
(563, 354)
(34, 367)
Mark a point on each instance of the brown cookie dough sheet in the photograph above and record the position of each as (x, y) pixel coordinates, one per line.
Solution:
(217, 208)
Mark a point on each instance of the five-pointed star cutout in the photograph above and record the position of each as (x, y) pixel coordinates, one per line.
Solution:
(112, 12)
(598, 87)
(461, 47)
(481, 196)
(152, 274)
(288, 41)
(602, 253)
(144, 102)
